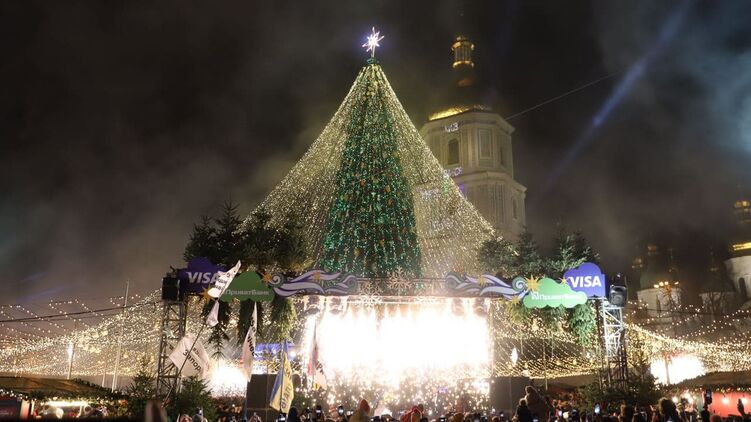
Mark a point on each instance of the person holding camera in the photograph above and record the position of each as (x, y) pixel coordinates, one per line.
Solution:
(340, 416)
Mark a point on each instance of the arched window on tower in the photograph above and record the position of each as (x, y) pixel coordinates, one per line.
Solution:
(742, 288)
(453, 153)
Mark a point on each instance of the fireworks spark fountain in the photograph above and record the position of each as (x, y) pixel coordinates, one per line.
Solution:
(432, 351)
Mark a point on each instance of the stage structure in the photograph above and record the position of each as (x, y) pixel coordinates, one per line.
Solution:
(343, 310)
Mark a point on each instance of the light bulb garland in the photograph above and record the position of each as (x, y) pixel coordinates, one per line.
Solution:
(447, 227)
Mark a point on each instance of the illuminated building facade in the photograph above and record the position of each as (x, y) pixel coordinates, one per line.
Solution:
(474, 145)
(739, 264)
(660, 292)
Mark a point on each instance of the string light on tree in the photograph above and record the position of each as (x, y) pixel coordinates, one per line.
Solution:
(360, 183)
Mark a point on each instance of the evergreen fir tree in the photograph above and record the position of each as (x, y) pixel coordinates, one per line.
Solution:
(202, 241)
(528, 261)
(498, 256)
(229, 239)
(282, 319)
(260, 240)
(257, 244)
(142, 389)
(371, 224)
(565, 255)
(570, 251)
(193, 394)
(583, 322)
(291, 252)
(584, 250)
(218, 334)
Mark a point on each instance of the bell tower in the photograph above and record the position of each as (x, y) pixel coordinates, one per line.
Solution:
(473, 143)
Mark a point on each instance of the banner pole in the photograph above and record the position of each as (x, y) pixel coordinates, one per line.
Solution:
(281, 369)
(120, 338)
(247, 385)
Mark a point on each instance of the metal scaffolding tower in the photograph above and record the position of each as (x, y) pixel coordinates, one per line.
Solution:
(614, 337)
(174, 315)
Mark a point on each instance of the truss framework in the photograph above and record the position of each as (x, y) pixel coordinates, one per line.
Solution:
(174, 318)
(614, 338)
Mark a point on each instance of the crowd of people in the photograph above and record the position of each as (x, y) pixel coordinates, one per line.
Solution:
(533, 407)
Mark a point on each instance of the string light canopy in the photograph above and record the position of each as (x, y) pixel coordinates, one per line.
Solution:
(42, 352)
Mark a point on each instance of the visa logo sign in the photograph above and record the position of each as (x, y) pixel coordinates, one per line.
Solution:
(584, 281)
(586, 278)
(202, 278)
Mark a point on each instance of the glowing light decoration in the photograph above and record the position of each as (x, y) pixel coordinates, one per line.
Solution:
(39, 346)
(227, 380)
(448, 228)
(382, 348)
(679, 368)
(373, 41)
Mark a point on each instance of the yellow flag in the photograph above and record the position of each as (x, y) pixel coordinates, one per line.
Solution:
(284, 391)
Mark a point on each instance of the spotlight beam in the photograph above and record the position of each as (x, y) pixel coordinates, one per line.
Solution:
(624, 86)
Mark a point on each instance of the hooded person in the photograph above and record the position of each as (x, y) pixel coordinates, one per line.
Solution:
(362, 414)
(536, 403)
(413, 415)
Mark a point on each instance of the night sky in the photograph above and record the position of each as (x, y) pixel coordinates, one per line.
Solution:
(122, 122)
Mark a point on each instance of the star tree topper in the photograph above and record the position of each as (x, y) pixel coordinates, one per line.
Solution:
(373, 39)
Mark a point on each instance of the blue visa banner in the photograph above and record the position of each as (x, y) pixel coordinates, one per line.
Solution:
(586, 278)
(200, 274)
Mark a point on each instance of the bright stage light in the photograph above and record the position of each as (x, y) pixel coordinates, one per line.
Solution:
(227, 380)
(391, 348)
(681, 367)
(65, 403)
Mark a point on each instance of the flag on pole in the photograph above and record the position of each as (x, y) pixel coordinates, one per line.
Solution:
(284, 391)
(196, 360)
(213, 318)
(249, 345)
(315, 368)
(223, 279)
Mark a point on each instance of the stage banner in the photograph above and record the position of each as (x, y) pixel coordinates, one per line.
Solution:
(198, 276)
(197, 362)
(248, 285)
(586, 278)
(547, 292)
(249, 345)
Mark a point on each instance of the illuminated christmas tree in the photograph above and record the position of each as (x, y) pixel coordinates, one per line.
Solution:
(371, 225)
(372, 198)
